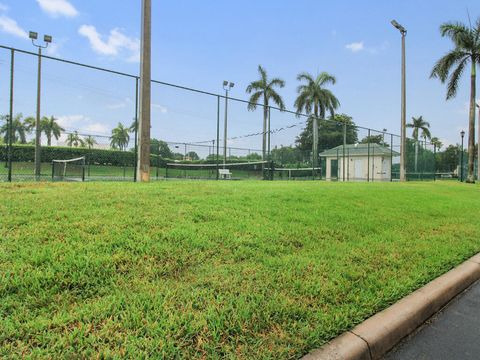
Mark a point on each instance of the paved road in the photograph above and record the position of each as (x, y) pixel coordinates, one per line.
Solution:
(452, 334)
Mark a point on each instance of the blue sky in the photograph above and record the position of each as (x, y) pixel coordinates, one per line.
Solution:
(201, 43)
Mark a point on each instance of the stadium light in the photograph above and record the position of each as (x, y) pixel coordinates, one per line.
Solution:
(47, 39)
(403, 117)
(227, 86)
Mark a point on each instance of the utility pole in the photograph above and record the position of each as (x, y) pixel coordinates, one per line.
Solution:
(143, 163)
(478, 144)
(47, 39)
(403, 133)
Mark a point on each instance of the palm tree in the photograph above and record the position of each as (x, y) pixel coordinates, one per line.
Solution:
(90, 141)
(314, 96)
(436, 141)
(51, 128)
(263, 88)
(418, 124)
(19, 130)
(466, 41)
(73, 139)
(120, 137)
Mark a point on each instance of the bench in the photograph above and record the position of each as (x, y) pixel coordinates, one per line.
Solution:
(225, 174)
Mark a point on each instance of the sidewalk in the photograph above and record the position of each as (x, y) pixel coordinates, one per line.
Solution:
(453, 333)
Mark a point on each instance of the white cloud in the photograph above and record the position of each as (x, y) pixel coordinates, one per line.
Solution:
(52, 49)
(114, 45)
(96, 128)
(57, 8)
(68, 121)
(160, 108)
(355, 46)
(10, 26)
(3, 7)
(120, 105)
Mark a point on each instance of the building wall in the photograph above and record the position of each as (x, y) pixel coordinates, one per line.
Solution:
(356, 168)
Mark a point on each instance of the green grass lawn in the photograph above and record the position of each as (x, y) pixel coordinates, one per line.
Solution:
(245, 270)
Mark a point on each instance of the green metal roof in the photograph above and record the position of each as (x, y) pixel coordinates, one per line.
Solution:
(359, 150)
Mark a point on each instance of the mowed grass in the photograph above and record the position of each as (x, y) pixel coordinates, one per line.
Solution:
(248, 270)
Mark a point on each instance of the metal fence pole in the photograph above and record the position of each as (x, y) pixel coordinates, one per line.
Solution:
(434, 162)
(391, 157)
(218, 134)
(136, 131)
(368, 156)
(10, 117)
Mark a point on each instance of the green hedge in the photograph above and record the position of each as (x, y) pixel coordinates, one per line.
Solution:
(26, 153)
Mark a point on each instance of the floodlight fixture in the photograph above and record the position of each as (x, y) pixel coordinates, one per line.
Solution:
(225, 83)
(33, 35)
(399, 27)
(232, 85)
(48, 39)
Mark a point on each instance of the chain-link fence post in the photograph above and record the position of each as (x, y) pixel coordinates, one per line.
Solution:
(368, 156)
(218, 136)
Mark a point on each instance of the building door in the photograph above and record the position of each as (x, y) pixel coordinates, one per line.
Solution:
(358, 169)
(334, 169)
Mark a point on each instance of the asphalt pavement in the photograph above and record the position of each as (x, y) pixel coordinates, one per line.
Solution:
(451, 334)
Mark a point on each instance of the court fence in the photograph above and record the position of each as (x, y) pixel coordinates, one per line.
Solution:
(226, 139)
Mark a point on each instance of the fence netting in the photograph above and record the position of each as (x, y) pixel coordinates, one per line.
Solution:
(91, 113)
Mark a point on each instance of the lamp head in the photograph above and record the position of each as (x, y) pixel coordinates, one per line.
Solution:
(462, 133)
(398, 26)
(33, 35)
(225, 83)
(232, 85)
(47, 38)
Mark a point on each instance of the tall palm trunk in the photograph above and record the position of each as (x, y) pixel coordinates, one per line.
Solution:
(416, 154)
(315, 139)
(49, 139)
(264, 137)
(471, 126)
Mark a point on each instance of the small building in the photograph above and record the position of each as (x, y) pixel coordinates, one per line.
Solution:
(363, 162)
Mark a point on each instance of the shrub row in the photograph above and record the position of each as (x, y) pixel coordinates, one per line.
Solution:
(26, 153)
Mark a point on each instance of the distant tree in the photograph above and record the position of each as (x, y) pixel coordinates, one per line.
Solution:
(51, 128)
(466, 41)
(120, 137)
(418, 124)
(264, 89)
(289, 156)
(330, 133)
(449, 159)
(436, 141)
(19, 131)
(73, 139)
(316, 100)
(90, 142)
(253, 157)
(374, 139)
(159, 147)
(192, 155)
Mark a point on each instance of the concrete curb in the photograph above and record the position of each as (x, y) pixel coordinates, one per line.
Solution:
(375, 336)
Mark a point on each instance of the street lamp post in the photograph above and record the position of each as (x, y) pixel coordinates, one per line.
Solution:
(403, 133)
(47, 39)
(462, 134)
(227, 86)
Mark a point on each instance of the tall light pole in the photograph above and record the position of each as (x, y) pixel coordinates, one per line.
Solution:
(47, 39)
(143, 163)
(227, 86)
(403, 121)
(462, 134)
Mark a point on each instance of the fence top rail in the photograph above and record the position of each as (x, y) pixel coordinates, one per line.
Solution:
(177, 86)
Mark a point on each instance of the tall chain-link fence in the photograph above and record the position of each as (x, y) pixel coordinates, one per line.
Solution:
(88, 120)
